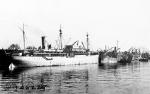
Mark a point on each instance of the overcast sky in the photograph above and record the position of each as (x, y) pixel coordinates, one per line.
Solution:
(106, 21)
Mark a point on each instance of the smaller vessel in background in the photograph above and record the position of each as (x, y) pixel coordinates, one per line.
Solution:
(138, 55)
(108, 57)
(144, 57)
(125, 57)
(113, 57)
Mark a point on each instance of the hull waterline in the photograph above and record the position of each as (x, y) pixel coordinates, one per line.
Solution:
(37, 61)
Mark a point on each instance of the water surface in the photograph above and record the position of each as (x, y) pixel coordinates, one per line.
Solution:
(80, 79)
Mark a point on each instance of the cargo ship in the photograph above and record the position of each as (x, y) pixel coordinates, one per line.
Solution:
(55, 57)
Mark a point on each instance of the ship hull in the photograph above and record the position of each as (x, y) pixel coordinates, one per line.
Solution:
(107, 61)
(109, 58)
(112, 60)
(37, 61)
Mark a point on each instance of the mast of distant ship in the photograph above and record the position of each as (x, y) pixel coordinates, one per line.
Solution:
(117, 44)
(60, 35)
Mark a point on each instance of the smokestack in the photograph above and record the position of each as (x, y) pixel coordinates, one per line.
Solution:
(43, 42)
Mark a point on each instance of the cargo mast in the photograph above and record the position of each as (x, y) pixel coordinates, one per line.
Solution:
(23, 38)
(87, 40)
(60, 35)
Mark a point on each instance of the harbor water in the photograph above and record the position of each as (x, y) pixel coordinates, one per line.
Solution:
(78, 79)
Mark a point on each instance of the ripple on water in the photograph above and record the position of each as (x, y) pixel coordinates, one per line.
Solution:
(82, 79)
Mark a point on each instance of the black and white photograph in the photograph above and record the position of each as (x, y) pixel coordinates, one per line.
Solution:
(74, 47)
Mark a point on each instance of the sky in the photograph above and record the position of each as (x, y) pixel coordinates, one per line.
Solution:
(106, 21)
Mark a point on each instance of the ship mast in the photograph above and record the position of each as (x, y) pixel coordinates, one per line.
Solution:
(60, 35)
(87, 40)
(23, 37)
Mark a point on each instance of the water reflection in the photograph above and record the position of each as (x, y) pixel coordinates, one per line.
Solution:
(6, 73)
(121, 79)
(56, 80)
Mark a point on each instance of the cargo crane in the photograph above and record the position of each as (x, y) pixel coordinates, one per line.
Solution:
(83, 45)
(75, 42)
